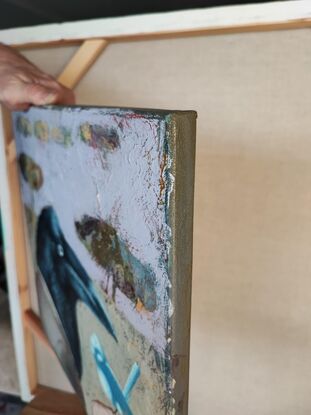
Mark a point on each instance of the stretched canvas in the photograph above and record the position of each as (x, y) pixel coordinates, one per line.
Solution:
(108, 197)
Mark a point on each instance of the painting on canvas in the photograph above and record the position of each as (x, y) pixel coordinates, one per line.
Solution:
(108, 197)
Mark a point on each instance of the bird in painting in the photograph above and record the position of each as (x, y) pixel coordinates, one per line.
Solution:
(67, 281)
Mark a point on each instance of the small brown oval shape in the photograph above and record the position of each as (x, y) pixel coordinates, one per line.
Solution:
(31, 171)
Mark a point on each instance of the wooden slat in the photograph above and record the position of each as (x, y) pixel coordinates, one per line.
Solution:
(11, 151)
(81, 62)
(20, 249)
(221, 30)
(212, 20)
(33, 323)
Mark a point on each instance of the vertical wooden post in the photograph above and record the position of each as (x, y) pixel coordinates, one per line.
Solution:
(21, 261)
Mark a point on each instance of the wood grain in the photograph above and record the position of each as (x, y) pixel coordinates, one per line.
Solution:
(211, 20)
(33, 323)
(20, 249)
(82, 61)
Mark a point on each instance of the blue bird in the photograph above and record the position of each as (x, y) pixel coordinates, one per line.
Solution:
(66, 280)
(118, 397)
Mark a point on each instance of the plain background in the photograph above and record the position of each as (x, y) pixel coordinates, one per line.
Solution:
(251, 321)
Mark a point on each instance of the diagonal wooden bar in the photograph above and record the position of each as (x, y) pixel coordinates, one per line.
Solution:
(33, 323)
(81, 62)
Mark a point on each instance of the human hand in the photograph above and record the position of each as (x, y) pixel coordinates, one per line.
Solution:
(22, 84)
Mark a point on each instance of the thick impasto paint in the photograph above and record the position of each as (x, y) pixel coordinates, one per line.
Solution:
(107, 201)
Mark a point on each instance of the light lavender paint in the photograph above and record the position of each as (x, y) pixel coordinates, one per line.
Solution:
(119, 168)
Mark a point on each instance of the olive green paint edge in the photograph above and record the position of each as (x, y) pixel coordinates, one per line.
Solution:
(182, 133)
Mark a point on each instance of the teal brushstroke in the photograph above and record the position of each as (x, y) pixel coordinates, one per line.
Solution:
(144, 277)
(118, 397)
(131, 381)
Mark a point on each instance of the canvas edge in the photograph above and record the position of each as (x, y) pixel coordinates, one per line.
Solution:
(182, 135)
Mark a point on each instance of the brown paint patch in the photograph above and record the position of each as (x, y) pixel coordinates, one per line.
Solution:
(162, 179)
(31, 171)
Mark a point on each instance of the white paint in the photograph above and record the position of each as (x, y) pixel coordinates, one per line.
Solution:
(171, 22)
(10, 255)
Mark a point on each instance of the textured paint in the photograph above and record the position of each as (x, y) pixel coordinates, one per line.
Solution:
(24, 126)
(66, 280)
(104, 245)
(31, 171)
(61, 135)
(128, 274)
(41, 130)
(97, 136)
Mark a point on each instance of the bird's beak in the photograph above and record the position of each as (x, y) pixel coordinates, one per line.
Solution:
(87, 293)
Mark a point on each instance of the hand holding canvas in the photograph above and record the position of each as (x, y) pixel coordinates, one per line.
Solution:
(22, 84)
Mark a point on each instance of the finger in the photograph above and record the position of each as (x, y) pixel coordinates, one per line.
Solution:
(39, 95)
(65, 95)
(42, 95)
(20, 93)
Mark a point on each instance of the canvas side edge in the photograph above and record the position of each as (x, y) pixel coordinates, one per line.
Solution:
(182, 134)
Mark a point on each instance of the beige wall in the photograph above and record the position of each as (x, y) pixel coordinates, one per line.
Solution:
(251, 326)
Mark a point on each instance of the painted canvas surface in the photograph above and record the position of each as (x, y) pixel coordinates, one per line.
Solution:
(108, 196)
